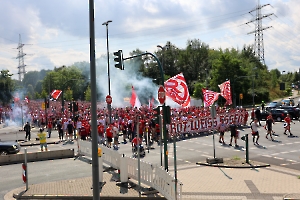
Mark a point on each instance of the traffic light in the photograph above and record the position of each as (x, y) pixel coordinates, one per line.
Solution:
(156, 114)
(282, 86)
(46, 103)
(167, 114)
(75, 106)
(70, 107)
(119, 59)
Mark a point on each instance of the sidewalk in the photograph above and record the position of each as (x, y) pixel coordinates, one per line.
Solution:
(199, 182)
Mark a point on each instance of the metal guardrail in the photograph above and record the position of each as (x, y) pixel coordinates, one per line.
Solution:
(152, 175)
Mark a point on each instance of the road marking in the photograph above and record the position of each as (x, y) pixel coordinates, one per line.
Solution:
(293, 151)
(267, 156)
(289, 143)
(274, 154)
(285, 164)
(279, 158)
(284, 152)
(293, 161)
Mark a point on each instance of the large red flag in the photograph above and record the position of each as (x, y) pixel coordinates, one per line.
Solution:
(56, 93)
(209, 97)
(176, 89)
(134, 101)
(226, 92)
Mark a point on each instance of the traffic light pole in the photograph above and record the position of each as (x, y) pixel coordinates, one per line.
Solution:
(62, 94)
(164, 126)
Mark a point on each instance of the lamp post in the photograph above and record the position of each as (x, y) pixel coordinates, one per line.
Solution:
(108, 73)
(162, 55)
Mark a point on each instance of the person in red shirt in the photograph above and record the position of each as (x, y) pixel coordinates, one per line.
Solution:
(109, 135)
(100, 130)
(49, 126)
(287, 124)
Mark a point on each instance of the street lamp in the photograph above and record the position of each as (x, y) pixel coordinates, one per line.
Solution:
(108, 74)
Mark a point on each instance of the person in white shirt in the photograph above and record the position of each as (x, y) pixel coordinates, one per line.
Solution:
(78, 126)
(222, 128)
(115, 132)
(254, 127)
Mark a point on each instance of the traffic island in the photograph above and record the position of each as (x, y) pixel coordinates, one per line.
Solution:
(233, 163)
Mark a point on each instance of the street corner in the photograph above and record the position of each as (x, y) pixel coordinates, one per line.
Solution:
(14, 194)
(292, 196)
(235, 162)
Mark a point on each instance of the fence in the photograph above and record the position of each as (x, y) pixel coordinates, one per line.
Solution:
(152, 175)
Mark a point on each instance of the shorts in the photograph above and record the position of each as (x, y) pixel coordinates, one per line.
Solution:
(109, 139)
(43, 145)
(255, 133)
(222, 133)
(116, 138)
(233, 134)
(269, 128)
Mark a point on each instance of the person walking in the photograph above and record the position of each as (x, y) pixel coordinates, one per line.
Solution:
(233, 133)
(255, 133)
(258, 115)
(100, 130)
(221, 127)
(287, 124)
(43, 141)
(109, 135)
(70, 130)
(27, 129)
(268, 126)
(60, 131)
(49, 126)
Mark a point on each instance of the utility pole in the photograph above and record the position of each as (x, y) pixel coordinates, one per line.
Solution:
(258, 32)
(21, 66)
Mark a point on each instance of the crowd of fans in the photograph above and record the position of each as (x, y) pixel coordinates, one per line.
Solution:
(123, 118)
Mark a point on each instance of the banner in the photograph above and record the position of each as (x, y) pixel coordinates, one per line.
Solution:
(204, 124)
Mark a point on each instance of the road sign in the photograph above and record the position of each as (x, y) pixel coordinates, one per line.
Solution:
(108, 99)
(161, 94)
(213, 111)
(241, 95)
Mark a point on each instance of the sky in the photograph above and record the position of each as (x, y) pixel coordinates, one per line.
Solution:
(56, 32)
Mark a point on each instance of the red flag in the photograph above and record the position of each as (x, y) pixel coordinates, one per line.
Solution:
(56, 93)
(176, 89)
(134, 101)
(26, 99)
(209, 97)
(226, 92)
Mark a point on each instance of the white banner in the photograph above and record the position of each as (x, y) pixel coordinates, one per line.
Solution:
(203, 124)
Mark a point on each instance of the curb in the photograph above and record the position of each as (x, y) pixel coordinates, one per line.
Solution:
(34, 144)
(231, 166)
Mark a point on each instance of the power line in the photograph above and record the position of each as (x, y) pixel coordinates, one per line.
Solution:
(258, 32)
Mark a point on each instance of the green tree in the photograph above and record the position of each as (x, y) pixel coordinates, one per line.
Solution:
(88, 94)
(6, 87)
(198, 90)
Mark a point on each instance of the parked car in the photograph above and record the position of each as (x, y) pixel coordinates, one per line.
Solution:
(272, 105)
(277, 114)
(293, 111)
(288, 102)
(9, 147)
